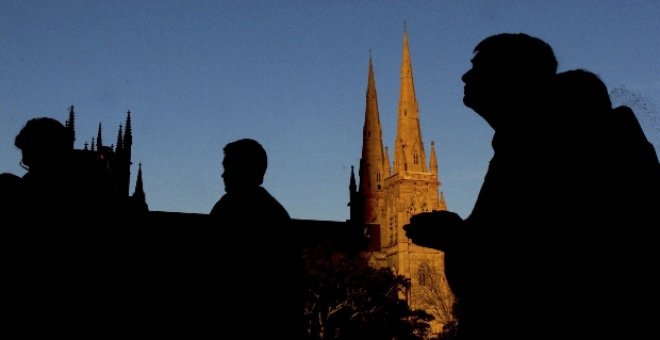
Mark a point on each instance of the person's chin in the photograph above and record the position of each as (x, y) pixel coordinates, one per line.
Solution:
(467, 101)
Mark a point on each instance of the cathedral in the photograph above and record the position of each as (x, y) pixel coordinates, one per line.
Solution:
(111, 164)
(390, 193)
(387, 195)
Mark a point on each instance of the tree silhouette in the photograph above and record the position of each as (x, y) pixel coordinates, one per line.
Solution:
(433, 295)
(344, 298)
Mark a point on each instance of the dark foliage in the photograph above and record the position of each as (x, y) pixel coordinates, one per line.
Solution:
(344, 298)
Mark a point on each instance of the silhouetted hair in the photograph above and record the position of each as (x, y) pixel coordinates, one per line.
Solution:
(248, 156)
(584, 91)
(43, 133)
(519, 54)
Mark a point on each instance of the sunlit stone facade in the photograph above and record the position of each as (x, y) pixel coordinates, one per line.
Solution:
(389, 195)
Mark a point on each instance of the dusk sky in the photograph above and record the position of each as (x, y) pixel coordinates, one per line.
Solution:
(197, 75)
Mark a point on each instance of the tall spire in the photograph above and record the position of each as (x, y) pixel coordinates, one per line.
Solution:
(409, 153)
(99, 139)
(139, 188)
(71, 125)
(352, 186)
(442, 205)
(372, 167)
(356, 202)
(126, 151)
(120, 139)
(434, 160)
(138, 199)
(128, 133)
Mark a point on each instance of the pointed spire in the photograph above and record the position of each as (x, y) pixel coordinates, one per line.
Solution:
(434, 160)
(139, 187)
(99, 139)
(442, 205)
(71, 125)
(120, 139)
(93, 148)
(372, 172)
(409, 155)
(138, 201)
(352, 186)
(356, 202)
(128, 133)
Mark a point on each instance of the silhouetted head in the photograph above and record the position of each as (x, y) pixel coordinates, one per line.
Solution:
(244, 165)
(43, 141)
(507, 69)
(581, 95)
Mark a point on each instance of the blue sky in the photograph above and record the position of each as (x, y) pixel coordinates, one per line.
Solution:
(292, 75)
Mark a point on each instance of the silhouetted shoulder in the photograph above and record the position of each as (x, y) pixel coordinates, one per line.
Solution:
(630, 135)
(252, 207)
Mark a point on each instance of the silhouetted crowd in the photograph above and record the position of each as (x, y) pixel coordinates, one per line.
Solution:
(560, 242)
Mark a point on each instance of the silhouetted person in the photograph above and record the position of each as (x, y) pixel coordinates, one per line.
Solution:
(600, 144)
(251, 218)
(54, 189)
(614, 179)
(508, 85)
(246, 202)
(55, 261)
(45, 146)
(534, 252)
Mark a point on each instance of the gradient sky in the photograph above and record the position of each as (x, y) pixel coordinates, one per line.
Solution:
(292, 75)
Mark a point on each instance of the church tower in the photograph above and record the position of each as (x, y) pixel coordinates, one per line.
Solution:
(374, 166)
(390, 196)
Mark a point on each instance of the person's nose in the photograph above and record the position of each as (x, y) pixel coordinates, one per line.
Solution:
(465, 76)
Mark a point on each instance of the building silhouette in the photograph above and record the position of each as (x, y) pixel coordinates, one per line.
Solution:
(111, 164)
(388, 195)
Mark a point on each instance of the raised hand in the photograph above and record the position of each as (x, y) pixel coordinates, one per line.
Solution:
(437, 229)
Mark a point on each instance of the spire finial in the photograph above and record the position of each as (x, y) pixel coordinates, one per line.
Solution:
(405, 26)
(138, 194)
(99, 138)
(120, 138)
(128, 132)
(71, 125)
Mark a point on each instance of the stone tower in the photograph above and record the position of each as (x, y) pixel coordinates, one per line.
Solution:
(110, 164)
(391, 195)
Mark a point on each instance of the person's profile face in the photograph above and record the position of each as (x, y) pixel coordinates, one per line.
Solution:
(473, 80)
(234, 174)
(227, 175)
(484, 83)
